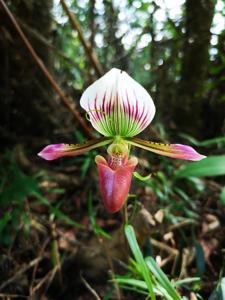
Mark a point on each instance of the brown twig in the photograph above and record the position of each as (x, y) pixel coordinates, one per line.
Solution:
(10, 296)
(92, 24)
(55, 252)
(20, 272)
(38, 36)
(36, 266)
(173, 253)
(110, 263)
(182, 224)
(92, 291)
(164, 247)
(42, 66)
(47, 278)
(89, 51)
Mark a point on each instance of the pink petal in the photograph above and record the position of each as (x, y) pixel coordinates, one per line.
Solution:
(115, 184)
(171, 150)
(55, 151)
(185, 152)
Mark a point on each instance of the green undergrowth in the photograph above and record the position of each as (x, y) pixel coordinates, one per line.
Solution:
(20, 194)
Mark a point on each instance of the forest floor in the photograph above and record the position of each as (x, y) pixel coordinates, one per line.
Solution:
(58, 242)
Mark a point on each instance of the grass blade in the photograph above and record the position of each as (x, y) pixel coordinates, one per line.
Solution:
(130, 235)
(162, 278)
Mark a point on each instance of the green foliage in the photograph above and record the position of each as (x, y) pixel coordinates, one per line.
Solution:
(146, 276)
(177, 203)
(200, 259)
(222, 196)
(207, 143)
(19, 192)
(56, 213)
(154, 54)
(162, 279)
(151, 279)
(210, 166)
(15, 188)
(140, 177)
(97, 229)
(130, 235)
(219, 292)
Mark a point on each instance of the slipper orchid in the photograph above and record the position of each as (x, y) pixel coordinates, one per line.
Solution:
(119, 108)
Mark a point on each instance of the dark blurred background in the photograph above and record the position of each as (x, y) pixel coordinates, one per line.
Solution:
(174, 48)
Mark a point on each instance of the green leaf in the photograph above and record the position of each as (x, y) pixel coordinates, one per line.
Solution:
(206, 143)
(197, 183)
(219, 291)
(26, 224)
(211, 166)
(200, 259)
(19, 188)
(222, 196)
(61, 216)
(133, 282)
(186, 280)
(214, 141)
(140, 177)
(85, 167)
(130, 235)
(139, 285)
(162, 278)
(5, 219)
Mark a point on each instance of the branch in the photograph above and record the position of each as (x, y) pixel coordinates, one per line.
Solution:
(92, 291)
(90, 52)
(92, 24)
(20, 272)
(44, 69)
(38, 36)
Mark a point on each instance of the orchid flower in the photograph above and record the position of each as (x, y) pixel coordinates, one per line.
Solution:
(119, 108)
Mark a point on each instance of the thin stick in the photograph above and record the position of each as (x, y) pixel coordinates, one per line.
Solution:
(36, 266)
(110, 263)
(92, 24)
(182, 224)
(47, 278)
(89, 51)
(45, 42)
(42, 66)
(92, 291)
(20, 272)
(164, 247)
(9, 296)
(55, 252)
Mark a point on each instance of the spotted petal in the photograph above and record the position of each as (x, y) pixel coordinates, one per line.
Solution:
(55, 151)
(171, 150)
(118, 105)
